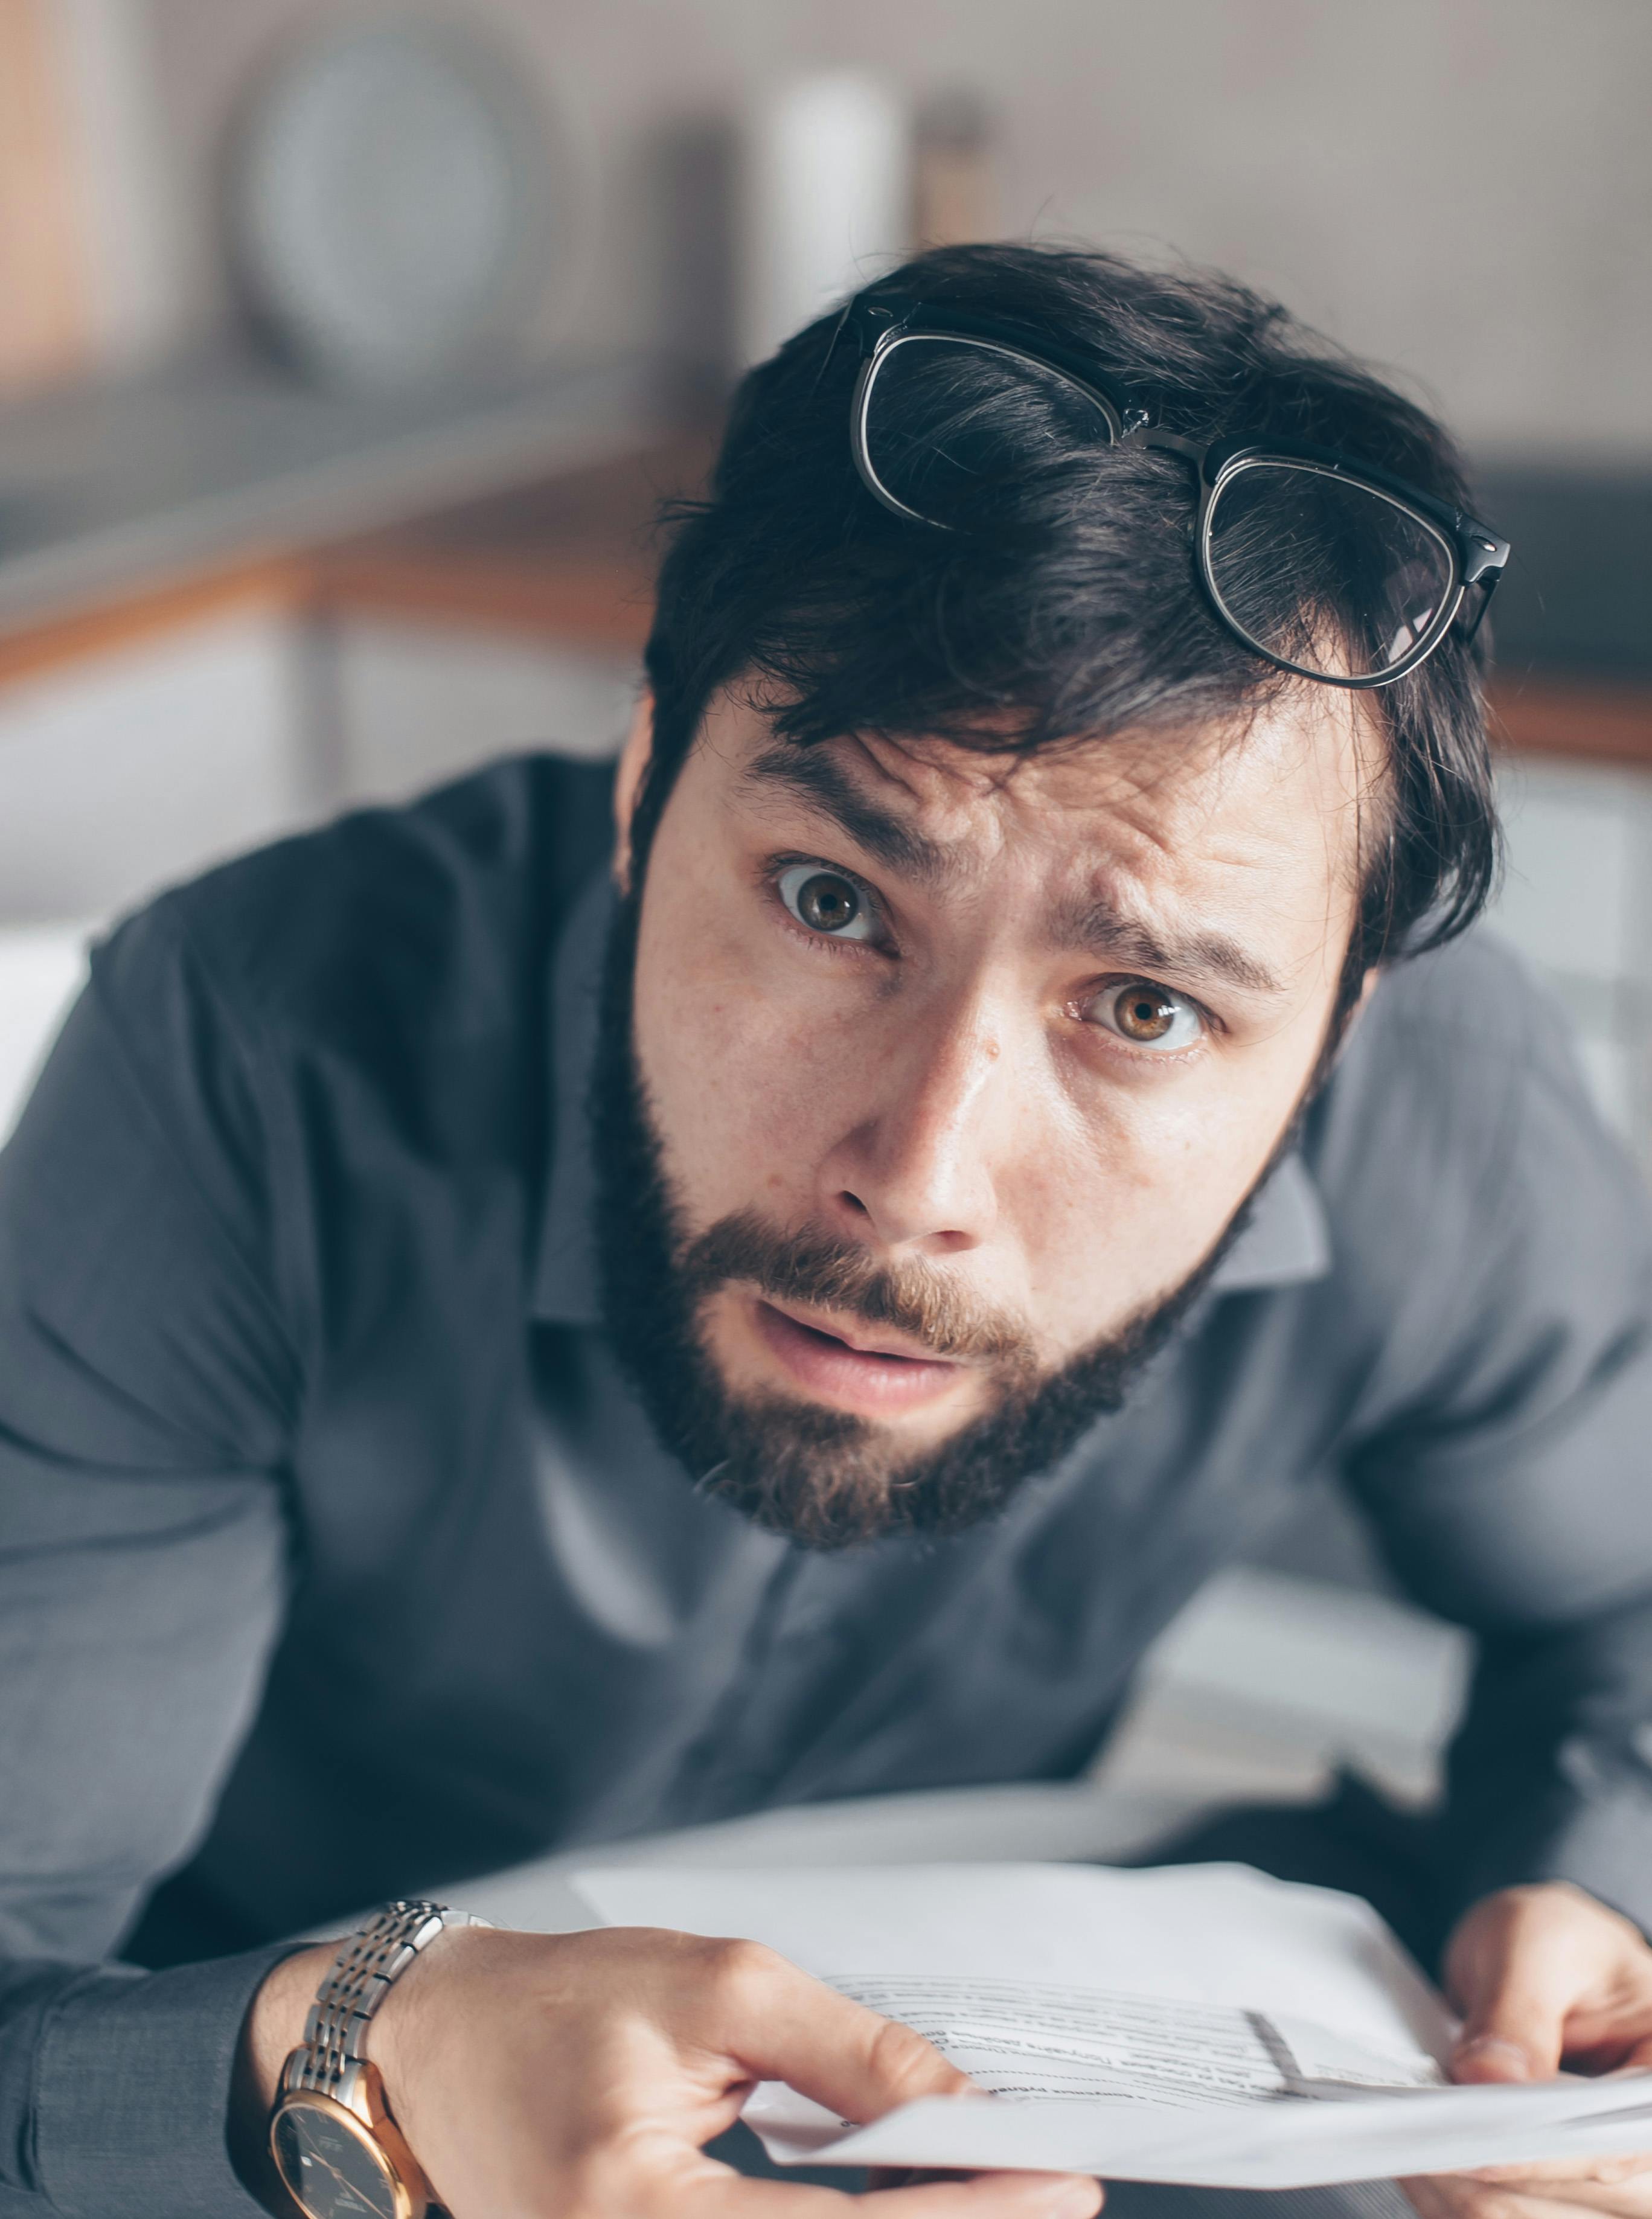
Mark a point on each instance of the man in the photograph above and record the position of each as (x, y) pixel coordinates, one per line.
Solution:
(495, 1353)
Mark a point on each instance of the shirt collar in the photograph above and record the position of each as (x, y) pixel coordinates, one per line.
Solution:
(1286, 1240)
(1286, 1243)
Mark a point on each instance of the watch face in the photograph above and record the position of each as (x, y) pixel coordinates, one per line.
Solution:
(330, 2163)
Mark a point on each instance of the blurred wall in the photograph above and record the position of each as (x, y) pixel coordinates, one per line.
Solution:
(1459, 187)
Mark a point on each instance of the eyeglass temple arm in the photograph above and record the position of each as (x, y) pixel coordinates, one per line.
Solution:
(1138, 431)
(1484, 559)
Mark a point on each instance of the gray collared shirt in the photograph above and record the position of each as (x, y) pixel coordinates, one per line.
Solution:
(336, 1557)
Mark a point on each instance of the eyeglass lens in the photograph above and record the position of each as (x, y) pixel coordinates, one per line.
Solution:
(1325, 574)
(1319, 572)
(960, 431)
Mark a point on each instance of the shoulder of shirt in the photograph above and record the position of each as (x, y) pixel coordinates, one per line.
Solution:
(1448, 1032)
(437, 915)
(1459, 1069)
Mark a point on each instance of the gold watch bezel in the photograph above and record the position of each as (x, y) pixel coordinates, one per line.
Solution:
(373, 2128)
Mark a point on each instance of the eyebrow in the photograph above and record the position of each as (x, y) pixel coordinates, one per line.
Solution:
(821, 783)
(1093, 923)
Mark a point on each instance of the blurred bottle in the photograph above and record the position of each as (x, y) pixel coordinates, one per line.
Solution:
(956, 197)
(92, 271)
(45, 316)
(138, 254)
(826, 199)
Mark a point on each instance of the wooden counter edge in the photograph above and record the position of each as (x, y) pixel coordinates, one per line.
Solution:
(1578, 718)
(602, 605)
(32, 648)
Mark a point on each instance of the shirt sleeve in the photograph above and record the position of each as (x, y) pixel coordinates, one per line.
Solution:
(1511, 1490)
(147, 1382)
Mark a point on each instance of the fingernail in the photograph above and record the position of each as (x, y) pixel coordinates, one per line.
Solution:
(1078, 2202)
(1492, 2049)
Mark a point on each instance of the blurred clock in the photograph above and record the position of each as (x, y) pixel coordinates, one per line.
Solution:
(398, 204)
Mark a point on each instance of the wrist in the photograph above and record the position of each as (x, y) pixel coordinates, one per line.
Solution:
(336, 2141)
(275, 2024)
(399, 2040)
(272, 2030)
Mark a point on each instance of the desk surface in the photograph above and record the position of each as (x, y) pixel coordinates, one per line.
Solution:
(1085, 1821)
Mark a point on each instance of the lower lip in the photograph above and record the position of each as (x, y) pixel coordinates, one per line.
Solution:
(852, 1377)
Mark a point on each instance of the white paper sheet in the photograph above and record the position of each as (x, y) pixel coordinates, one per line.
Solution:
(1200, 2024)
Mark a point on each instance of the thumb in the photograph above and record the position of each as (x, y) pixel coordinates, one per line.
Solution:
(1513, 2025)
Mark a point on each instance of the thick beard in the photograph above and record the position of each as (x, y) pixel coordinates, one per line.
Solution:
(821, 1477)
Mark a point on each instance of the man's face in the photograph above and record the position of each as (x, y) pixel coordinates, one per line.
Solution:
(958, 1067)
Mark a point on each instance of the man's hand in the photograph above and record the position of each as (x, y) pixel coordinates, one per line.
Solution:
(1543, 1978)
(576, 2076)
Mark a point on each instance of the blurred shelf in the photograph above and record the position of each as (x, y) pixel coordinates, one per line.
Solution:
(1577, 596)
(1572, 617)
(526, 509)
(134, 506)
(1554, 714)
(569, 559)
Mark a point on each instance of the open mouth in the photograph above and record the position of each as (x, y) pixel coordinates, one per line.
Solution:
(833, 1368)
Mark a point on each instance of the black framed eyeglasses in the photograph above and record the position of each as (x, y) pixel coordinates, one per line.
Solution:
(1325, 567)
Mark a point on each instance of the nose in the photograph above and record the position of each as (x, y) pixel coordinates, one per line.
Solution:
(917, 1172)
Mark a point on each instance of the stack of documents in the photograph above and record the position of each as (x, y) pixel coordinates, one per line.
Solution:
(1199, 2024)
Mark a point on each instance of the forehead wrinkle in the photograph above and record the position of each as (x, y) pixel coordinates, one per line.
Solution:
(816, 779)
(1096, 923)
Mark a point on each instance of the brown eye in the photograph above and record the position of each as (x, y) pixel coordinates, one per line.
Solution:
(826, 902)
(1146, 1015)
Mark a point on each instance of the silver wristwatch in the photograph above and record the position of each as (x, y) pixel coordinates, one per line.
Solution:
(335, 2144)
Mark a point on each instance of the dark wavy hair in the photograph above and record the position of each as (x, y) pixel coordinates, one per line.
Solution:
(1090, 618)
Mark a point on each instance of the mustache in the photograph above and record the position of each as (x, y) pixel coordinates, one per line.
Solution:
(823, 1271)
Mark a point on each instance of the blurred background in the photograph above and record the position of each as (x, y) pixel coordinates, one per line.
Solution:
(344, 354)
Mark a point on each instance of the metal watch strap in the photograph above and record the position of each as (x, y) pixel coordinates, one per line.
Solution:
(357, 1982)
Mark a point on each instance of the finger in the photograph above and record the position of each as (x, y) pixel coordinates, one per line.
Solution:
(1454, 2196)
(1436, 2195)
(1579, 2173)
(987, 2196)
(777, 2024)
(714, 2192)
(1523, 1988)
(1460, 2196)
(916, 2176)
